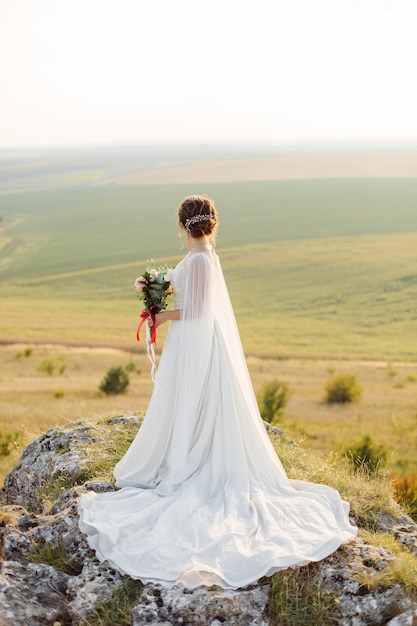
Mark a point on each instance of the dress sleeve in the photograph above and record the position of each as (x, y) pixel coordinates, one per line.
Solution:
(198, 288)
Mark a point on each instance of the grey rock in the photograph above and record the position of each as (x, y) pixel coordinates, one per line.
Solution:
(95, 582)
(59, 452)
(202, 607)
(31, 595)
(275, 430)
(403, 529)
(405, 619)
(339, 574)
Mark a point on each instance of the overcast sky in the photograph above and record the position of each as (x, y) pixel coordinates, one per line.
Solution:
(282, 71)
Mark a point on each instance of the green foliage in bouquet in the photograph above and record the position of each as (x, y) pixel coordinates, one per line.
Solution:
(154, 287)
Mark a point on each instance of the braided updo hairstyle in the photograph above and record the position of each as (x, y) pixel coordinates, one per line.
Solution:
(198, 216)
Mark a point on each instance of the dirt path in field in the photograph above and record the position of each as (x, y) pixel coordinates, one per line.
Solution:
(85, 346)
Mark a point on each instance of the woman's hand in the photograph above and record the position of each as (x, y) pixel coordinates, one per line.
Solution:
(165, 316)
(160, 318)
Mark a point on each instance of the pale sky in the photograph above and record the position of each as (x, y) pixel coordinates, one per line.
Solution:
(128, 71)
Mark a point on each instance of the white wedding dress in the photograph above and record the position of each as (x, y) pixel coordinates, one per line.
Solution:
(204, 498)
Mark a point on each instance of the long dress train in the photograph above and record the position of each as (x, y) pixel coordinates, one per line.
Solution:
(203, 497)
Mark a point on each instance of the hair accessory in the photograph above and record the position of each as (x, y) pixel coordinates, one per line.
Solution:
(196, 219)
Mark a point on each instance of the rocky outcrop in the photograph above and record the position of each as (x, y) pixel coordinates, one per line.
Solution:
(49, 576)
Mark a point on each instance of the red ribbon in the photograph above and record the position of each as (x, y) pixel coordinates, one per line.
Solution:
(144, 316)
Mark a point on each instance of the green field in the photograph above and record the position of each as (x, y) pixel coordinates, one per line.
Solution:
(315, 268)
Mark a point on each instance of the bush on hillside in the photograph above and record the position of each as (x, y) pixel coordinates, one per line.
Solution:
(272, 399)
(342, 389)
(26, 353)
(366, 454)
(50, 364)
(8, 442)
(115, 381)
(405, 489)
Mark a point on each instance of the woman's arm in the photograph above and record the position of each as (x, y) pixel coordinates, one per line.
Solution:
(165, 316)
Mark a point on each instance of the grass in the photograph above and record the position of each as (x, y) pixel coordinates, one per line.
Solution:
(402, 571)
(317, 298)
(118, 222)
(117, 610)
(296, 599)
(368, 495)
(326, 266)
(30, 404)
(33, 402)
(55, 556)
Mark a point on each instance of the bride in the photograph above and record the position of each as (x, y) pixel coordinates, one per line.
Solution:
(203, 497)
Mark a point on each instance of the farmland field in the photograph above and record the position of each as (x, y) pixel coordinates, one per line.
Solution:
(326, 267)
(321, 272)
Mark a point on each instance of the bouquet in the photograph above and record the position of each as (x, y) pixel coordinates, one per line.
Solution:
(154, 289)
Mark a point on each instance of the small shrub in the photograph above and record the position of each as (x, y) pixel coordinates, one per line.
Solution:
(115, 381)
(59, 393)
(405, 489)
(342, 389)
(8, 443)
(412, 378)
(391, 371)
(367, 455)
(272, 399)
(26, 353)
(50, 364)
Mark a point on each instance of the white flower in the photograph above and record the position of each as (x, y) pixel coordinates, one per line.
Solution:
(168, 276)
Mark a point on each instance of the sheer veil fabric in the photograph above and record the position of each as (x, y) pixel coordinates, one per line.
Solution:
(203, 497)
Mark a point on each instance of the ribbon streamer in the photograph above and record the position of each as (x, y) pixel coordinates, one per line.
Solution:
(150, 337)
(150, 350)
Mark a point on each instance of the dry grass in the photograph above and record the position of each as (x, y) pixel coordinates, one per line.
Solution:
(118, 609)
(387, 411)
(367, 495)
(33, 402)
(403, 570)
(295, 599)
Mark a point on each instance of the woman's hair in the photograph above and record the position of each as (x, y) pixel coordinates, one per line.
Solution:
(198, 215)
